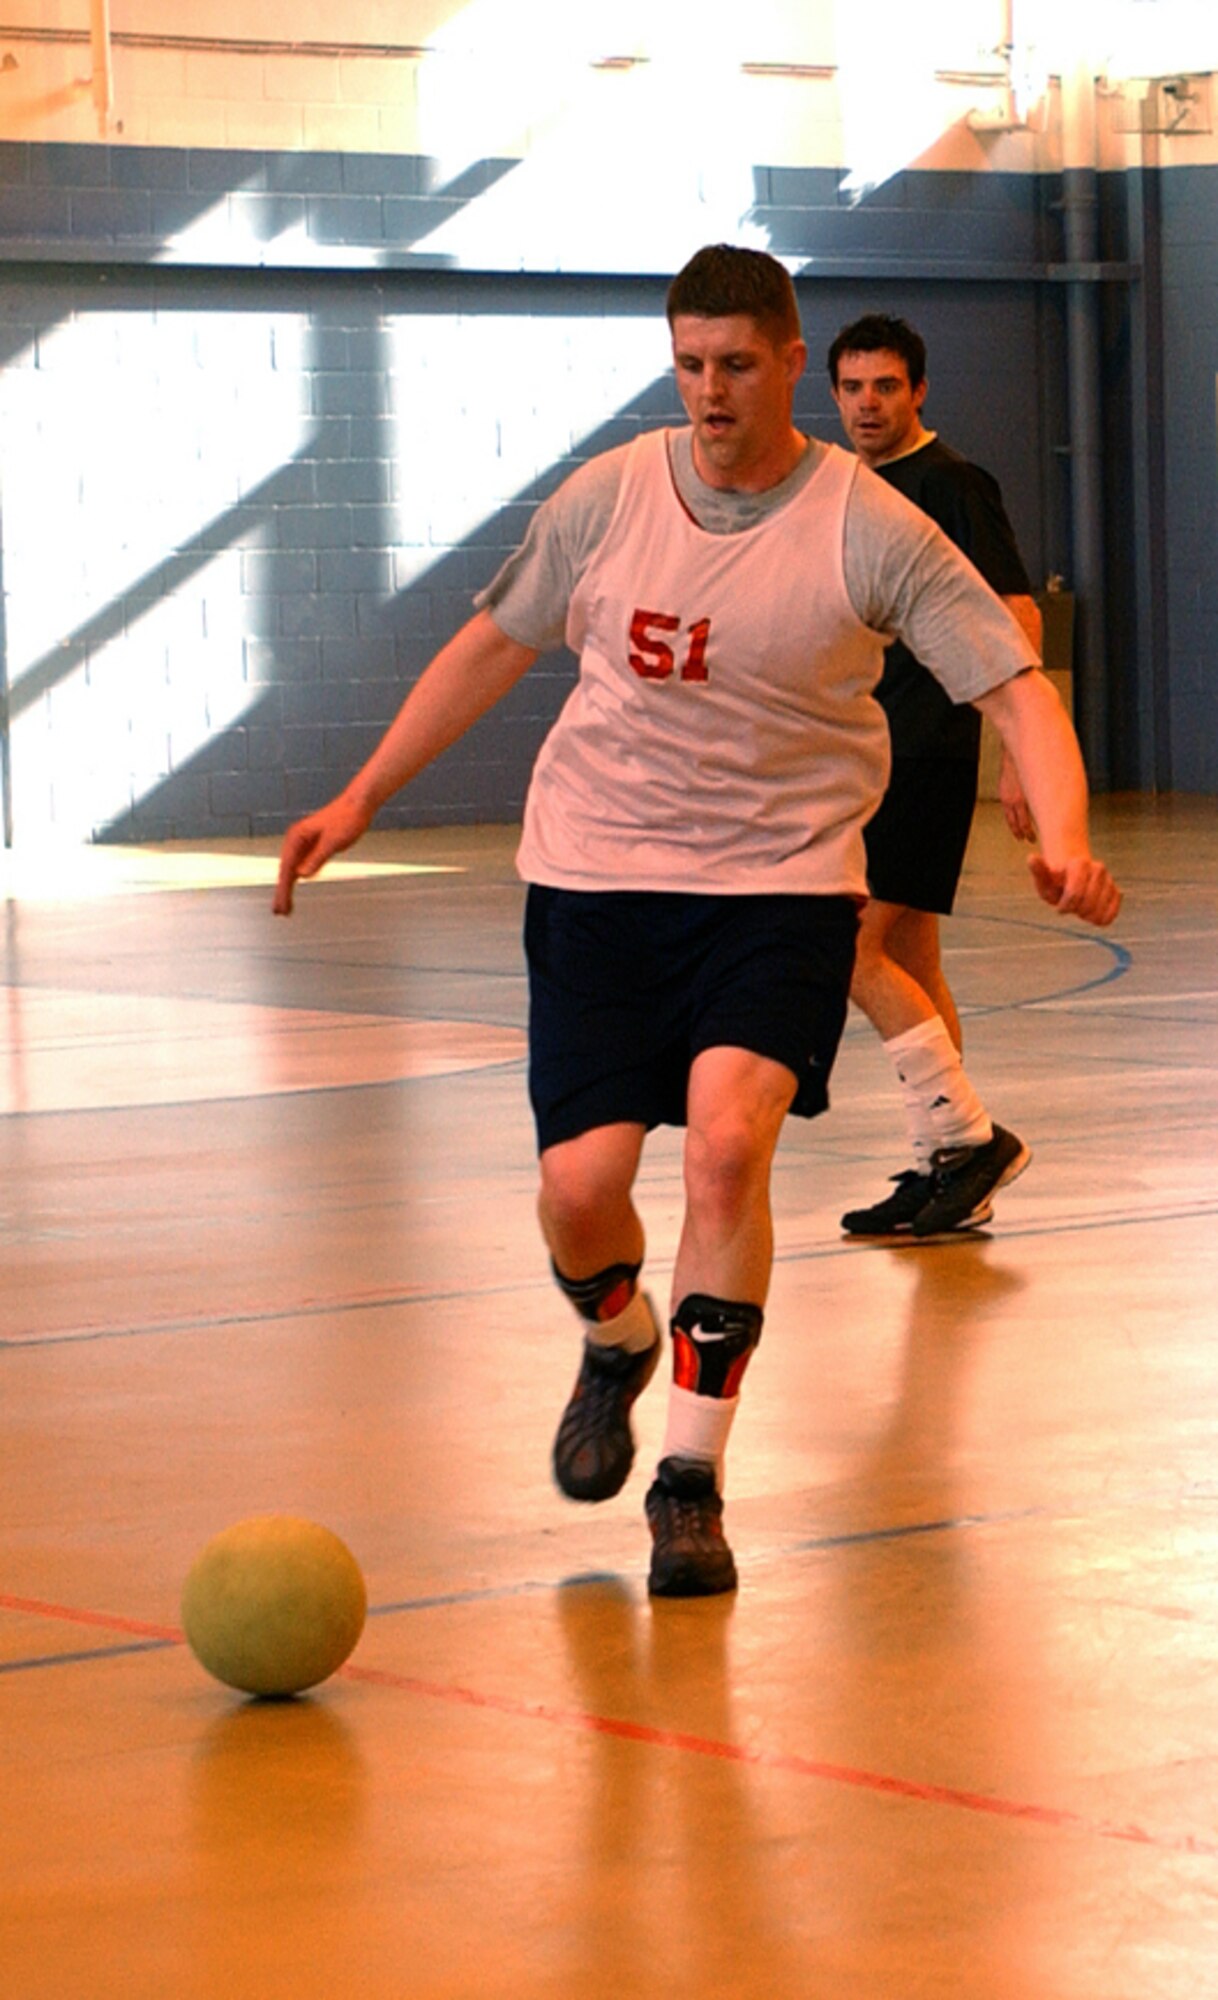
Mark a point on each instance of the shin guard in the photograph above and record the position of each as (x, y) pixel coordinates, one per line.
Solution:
(602, 1296)
(712, 1341)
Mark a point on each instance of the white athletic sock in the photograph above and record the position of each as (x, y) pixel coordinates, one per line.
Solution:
(635, 1328)
(698, 1427)
(941, 1106)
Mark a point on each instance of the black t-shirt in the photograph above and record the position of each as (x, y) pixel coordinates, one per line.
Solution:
(967, 504)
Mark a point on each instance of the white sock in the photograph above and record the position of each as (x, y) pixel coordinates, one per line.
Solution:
(698, 1428)
(635, 1328)
(941, 1106)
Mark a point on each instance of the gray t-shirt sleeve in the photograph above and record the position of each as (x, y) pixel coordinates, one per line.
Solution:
(908, 581)
(904, 577)
(529, 595)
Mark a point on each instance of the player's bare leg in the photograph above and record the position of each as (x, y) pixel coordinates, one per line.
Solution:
(960, 1157)
(595, 1238)
(736, 1107)
(898, 973)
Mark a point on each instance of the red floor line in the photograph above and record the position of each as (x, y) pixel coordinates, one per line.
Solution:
(770, 1760)
(387, 1297)
(677, 1739)
(37, 1607)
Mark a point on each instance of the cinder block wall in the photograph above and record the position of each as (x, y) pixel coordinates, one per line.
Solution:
(241, 512)
(296, 330)
(242, 506)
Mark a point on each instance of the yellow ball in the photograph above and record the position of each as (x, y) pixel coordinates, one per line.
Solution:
(273, 1605)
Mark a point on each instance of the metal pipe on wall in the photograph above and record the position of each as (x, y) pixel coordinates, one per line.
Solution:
(1080, 209)
(103, 65)
(1006, 48)
(6, 756)
(1150, 720)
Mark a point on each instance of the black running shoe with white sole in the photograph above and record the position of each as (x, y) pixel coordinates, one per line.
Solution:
(594, 1444)
(963, 1179)
(690, 1556)
(894, 1216)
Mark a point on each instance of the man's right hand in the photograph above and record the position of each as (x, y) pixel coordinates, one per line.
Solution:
(309, 844)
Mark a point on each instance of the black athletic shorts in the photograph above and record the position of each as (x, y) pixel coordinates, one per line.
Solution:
(626, 988)
(917, 839)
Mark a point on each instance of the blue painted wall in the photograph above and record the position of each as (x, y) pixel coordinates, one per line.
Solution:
(1190, 428)
(286, 615)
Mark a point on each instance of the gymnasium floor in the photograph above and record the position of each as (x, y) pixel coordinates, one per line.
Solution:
(268, 1244)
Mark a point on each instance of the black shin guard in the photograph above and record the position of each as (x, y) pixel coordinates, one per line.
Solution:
(603, 1296)
(712, 1340)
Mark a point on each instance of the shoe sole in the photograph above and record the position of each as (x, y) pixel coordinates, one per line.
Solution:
(900, 1237)
(685, 1581)
(964, 1232)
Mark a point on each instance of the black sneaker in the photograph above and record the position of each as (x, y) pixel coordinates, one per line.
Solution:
(895, 1215)
(963, 1179)
(594, 1445)
(689, 1557)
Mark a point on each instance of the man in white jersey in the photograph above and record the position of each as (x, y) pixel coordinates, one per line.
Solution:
(693, 844)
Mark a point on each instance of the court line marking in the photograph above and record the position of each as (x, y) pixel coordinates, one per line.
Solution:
(1135, 1000)
(85, 1655)
(306, 1090)
(387, 1301)
(916, 1791)
(77, 1614)
(153, 1637)
(1120, 956)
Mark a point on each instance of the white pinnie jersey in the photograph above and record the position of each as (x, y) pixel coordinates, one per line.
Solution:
(722, 736)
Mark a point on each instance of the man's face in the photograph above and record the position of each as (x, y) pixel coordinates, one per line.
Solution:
(879, 410)
(737, 388)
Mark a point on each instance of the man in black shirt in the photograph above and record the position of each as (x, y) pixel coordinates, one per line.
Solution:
(917, 839)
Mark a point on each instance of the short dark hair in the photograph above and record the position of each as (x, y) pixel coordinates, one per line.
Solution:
(724, 279)
(881, 330)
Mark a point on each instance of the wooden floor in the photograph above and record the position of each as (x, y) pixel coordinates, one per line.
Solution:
(269, 1244)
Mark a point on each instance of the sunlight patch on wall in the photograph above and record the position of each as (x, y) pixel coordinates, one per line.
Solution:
(494, 76)
(893, 104)
(1121, 38)
(483, 406)
(125, 639)
(638, 141)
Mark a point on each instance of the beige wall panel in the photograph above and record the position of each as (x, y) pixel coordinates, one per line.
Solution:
(301, 79)
(786, 115)
(223, 78)
(341, 128)
(385, 82)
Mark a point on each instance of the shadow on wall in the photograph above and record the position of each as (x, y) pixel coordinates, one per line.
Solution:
(245, 506)
(280, 493)
(360, 557)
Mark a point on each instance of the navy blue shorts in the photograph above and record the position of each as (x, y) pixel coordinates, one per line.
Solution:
(627, 987)
(917, 839)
